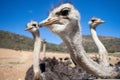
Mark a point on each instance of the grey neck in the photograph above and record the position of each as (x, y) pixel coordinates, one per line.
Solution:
(36, 34)
(74, 43)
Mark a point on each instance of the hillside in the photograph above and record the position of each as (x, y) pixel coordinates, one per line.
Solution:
(112, 44)
(15, 41)
(18, 42)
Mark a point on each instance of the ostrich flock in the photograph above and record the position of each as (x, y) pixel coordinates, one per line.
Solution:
(64, 20)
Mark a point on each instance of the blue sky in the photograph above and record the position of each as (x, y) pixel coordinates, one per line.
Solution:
(14, 14)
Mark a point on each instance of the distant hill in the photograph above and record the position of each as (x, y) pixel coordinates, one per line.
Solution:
(112, 44)
(18, 42)
(15, 41)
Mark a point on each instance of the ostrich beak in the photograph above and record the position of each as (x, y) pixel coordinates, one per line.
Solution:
(49, 21)
(28, 29)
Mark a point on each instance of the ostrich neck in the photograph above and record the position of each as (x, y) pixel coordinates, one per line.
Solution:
(103, 54)
(78, 54)
(37, 48)
(36, 35)
(99, 44)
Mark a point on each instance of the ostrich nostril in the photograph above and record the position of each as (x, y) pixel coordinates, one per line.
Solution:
(49, 19)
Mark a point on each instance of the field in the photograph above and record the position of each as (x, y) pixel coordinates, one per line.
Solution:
(14, 64)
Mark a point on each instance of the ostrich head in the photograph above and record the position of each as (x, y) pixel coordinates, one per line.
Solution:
(62, 19)
(32, 26)
(94, 22)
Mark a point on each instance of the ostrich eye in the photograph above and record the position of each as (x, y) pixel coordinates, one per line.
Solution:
(33, 24)
(63, 12)
(93, 20)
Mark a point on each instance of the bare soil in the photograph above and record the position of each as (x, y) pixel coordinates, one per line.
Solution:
(14, 64)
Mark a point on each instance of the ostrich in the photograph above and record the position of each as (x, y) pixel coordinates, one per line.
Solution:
(94, 22)
(33, 28)
(64, 21)
(44, 47)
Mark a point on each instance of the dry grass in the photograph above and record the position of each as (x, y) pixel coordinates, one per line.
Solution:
(14, 64)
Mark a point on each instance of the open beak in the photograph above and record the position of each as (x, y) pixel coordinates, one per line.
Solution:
(49, 21)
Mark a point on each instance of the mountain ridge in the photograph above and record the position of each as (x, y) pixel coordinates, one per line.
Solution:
(19, 42)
